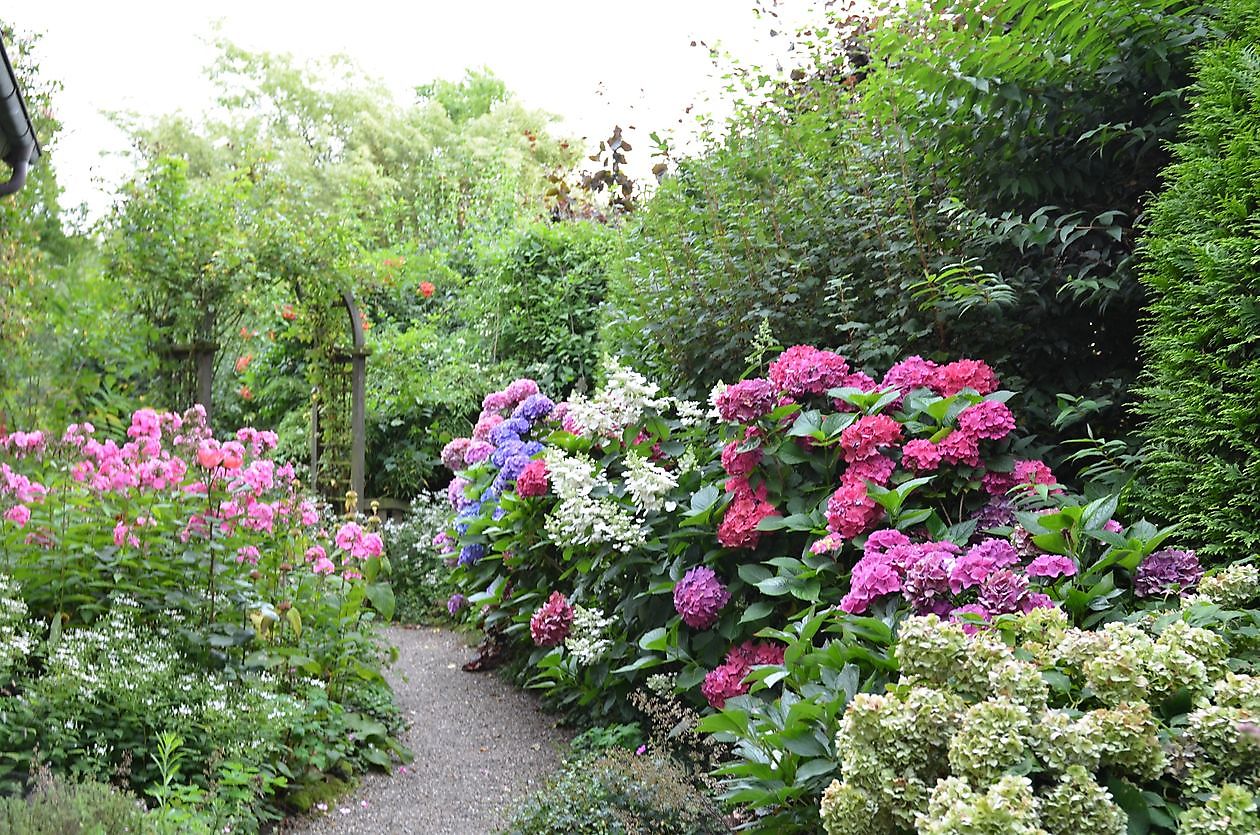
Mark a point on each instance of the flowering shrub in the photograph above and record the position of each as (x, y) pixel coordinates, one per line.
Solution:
(185, 585)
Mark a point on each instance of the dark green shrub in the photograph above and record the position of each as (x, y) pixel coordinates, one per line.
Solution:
(618, 793)
(1202, 442)
(420, 579)
(59, 807)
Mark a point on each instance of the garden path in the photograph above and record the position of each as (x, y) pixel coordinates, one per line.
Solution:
(480, 745)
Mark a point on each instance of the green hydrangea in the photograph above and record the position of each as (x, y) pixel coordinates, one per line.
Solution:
(1233, 811)
(1233, 587)
(1128, 739)
(991, 740)
(1078, 804)
(931, 651)
(1006, 808)
(848, 810)
(1061, 741)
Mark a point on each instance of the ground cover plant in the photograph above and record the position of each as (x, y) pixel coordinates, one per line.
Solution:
(181, 619)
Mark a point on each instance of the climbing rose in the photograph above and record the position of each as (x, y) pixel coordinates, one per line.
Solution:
(1167, 571)
(965, 374)
(747, 400)
(802, 370)
(426, 289)
(988, 420)
(550, 625)
(533, 479)
(699, 596)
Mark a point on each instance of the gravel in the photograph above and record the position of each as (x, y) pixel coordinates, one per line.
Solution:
(480, 745)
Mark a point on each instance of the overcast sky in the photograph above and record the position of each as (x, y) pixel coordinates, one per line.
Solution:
(592, 63)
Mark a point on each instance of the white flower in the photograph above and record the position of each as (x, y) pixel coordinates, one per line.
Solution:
(582, 520)
(647, 483)
(586, 641)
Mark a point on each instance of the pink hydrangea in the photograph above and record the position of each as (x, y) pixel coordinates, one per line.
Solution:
(879, 542)
(1051, 566)
(802, 370)
(960, 448)
(1033, 472)
(748, 507)
(727, 680)
(454, 454)
(850, 511)
(699, 596)
(486, 422)
(921, 455)
(550, 625)
(1003, 591)
(455, 492)
(862, 438)
(913, 372)
(519, 390)
(1112, 526)
(969, 571)
(877, 469)
(997, 484)
(747, 400)
(737, 463)
(965, 374)
(927, 581)
(477, 452)
(998, 551)
(871, 579)
(987, 420)
(1036, 600)
(533, 480)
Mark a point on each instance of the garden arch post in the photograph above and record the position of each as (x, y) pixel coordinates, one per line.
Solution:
(331, 394)
(358, 396)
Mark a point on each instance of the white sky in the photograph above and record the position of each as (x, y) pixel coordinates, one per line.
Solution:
(592, 63)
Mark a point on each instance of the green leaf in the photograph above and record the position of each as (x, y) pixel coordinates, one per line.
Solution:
(757, 611)
(382, 598)
(654, 640)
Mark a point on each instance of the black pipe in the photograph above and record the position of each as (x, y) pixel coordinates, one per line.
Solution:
(18, 145)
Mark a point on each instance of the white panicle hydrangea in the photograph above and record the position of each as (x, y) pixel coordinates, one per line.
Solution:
(647, 483)
(688, 461)
(662, 684)
(571, 476)
(590, 416)
(583, 520)
(689, 412)
(15, 640)
(714, 394)
(587, 640)
(626, 393)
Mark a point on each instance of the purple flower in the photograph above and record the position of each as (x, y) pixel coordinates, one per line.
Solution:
(508, 449)
(1051, 566)
(699, 596)
(998, 550)
(454, 453)
(1166, 572)
(455, 493)
(998, 513)
(456, 602)
(534, 407)
(1003, 591)
(531, 449)
(1112, 526)
(1036, 600)
(880, 541)
(870, 579)
(477, 452)
(927, 580)
(508, 430)
(471, 553)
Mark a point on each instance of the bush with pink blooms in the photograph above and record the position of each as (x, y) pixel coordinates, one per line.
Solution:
(207, 548)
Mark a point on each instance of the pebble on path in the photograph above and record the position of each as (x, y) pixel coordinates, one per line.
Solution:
(480, 745)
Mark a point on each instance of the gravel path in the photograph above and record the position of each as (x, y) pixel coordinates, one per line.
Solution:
(480, 744)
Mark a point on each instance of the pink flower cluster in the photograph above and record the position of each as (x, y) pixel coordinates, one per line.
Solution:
(941, 578)
(550, 624)
(746, 510)
(727, 680)
(803, 370)
(747, 400)
(533, 480)
(357, 542)
(739, 461)
(462, 453)
(699, 596)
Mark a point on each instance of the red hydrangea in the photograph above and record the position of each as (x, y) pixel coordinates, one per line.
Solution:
(965, 374)
(727, 680)
(533, 479)
(737, 463)
(913, 372)
(699, 596)
(747, 400)
(1033, 472)
(877, 469)
(862, 438)
(802, 370)
(850, 511)
(988, 420)
(746, 510)
(921, 455)
(550, 625)
(960, 448)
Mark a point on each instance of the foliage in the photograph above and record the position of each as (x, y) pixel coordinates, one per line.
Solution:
(617, 793)
(888, 188)
(417, 571)
(1200, 455)
(56, 806)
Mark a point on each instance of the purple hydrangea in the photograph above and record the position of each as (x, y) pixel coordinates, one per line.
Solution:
(477, 452)
(1003, 591)
(456, 602)
(508, 430)
(927, 581)
(747, 400)
(471, 553)
(998, 513)
(510, 448)
(1166, 572)
(699, 596)
(533, 408)
(455, 493)
(880, 541)
(1051, 566)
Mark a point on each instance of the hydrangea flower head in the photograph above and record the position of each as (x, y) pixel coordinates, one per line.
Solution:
(699, 596)
(1051, 566)
(965, 374)
(746, 510)
(454, 454)
(803, 370)
(863, 438)
(921, 455)
(550, 624)
(533, 479)
(1167, 571)
(1003, 591)
(747, 400)
(850, 511)
(913, 372)
(988, 420)
(534, 408)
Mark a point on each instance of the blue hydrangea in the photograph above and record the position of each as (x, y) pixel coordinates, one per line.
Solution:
(508, 449)
(471, 552)
(509, 430)
(533, 408)
(531, 449)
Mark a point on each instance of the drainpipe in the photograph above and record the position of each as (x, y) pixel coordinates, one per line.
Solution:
(18, 146)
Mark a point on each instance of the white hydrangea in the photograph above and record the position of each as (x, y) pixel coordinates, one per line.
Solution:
(571, 476)
(587, 640)
(714, 394)
(583, 520)
(626, 393)
(690, 413)
(647, 483)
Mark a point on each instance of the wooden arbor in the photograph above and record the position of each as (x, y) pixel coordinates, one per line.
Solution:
(339, 409)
